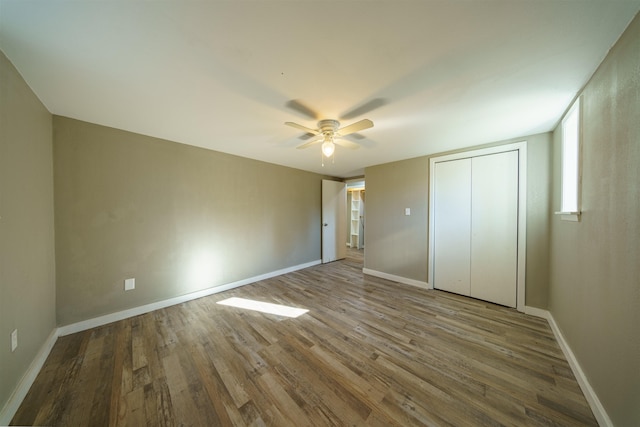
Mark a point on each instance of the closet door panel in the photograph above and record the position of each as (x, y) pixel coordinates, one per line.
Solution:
(452, 226)
(494, 225)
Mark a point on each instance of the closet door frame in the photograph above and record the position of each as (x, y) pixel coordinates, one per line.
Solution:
(521, 147)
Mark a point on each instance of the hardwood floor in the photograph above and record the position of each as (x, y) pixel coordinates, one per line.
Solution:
(368, 352)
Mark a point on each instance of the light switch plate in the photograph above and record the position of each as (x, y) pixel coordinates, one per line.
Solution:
(129, 284)
(407, 211)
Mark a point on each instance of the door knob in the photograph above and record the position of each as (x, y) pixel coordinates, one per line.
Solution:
(325, 224)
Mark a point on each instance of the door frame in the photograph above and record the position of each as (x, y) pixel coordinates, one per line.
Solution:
(521, 147)
(334, 220)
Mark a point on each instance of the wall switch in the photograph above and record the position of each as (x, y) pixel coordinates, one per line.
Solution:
(407, 211)
(129, 284)
(14, 340)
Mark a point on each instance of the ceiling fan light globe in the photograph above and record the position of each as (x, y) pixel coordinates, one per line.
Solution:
(328, 148)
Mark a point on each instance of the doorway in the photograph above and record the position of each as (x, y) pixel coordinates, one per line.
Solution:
(355, 214)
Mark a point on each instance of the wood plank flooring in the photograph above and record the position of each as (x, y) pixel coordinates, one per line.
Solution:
(368, 352)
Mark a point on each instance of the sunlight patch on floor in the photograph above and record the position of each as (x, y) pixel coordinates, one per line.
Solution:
(264, 307)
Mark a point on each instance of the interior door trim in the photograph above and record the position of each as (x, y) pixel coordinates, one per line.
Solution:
(521, 147)
(334, 220)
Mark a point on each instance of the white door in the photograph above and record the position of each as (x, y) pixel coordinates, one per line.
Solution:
(476, 227)
(334, 220)
(494, 225)
(452, 216)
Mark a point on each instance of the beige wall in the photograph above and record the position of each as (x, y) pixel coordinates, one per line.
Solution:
(27, 287)
(539, 213)
(177, 218)
(398, 244)
(595, 264)
(132, 206)
(395, 243)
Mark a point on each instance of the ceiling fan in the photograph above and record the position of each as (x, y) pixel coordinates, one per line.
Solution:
(330, 133)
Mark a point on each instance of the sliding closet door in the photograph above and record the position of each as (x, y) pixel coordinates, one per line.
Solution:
(494, 225)
(452, 232)
(475, 216)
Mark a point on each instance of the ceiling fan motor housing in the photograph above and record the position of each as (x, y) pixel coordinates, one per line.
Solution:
(330, 132)
(328, 127)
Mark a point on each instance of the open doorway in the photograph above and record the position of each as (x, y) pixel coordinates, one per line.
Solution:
(356, 214)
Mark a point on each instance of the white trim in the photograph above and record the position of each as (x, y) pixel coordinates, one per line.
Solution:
(15, 400)
(399, 279)
(19, 393)
(537, 312)
(522, 208)
(11, 407)
(124, 314)
(569, 216)
(596, 406)
(578, 158)
(592, 398)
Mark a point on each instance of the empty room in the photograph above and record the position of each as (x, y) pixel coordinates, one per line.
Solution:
(288, 213)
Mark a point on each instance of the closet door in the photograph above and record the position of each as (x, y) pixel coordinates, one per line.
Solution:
(494, 227)
(452, 231)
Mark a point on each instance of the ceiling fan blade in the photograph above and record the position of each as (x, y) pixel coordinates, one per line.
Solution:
(357, 126)
(303, 128)
(356, 136)
(307, 144)
(306, 136)
(364, 108)
(347, 144)
(298, 106)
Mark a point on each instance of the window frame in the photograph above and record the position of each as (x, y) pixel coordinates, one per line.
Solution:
(571, 213)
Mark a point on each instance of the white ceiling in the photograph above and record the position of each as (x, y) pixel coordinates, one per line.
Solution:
(226, 75)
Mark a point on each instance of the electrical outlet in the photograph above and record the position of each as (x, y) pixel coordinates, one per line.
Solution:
(14, 340)
(129, 284)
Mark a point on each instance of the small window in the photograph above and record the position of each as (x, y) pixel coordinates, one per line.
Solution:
(570, 204)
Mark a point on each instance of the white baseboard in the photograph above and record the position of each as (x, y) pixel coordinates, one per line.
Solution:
(124, 314)
(537, 312)
(18, 395)
(399, 279)
(596, 406)
(11, 407)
